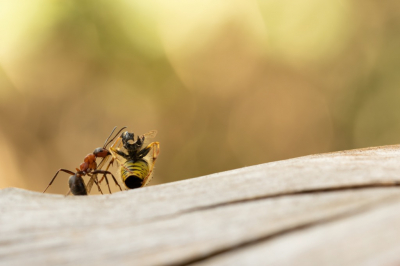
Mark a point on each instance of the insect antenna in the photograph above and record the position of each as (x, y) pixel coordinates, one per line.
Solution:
(109, 137)
(116, 135)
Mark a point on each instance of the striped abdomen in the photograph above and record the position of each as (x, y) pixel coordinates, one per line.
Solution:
(134, 173)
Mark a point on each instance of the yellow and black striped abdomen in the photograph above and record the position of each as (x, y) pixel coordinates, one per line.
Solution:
(134, 173)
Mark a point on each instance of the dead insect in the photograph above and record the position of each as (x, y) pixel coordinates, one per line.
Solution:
(139, 158)
(89, 167)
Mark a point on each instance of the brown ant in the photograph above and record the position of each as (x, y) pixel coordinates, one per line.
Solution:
(89, 167)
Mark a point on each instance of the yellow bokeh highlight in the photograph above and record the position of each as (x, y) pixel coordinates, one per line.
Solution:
(309, 30)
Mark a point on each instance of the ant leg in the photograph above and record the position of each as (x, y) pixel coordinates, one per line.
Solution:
(69, 192)
(108, 166)
(108, 185)
(60, 170)
(94, 178)
(98, 185)
(104, 177)
(91, 180)
(96, 181)
(101, 179)
(105, 173)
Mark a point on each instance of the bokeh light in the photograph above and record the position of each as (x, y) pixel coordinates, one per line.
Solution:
(226, 84)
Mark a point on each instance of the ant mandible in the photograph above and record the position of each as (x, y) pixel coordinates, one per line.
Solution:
(89, 167)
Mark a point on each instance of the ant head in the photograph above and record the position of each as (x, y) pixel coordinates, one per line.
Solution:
(101, 152)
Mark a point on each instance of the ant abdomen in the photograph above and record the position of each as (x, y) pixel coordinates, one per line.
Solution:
(77, 185)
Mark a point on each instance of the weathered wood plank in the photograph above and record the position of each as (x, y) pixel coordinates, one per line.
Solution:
(182, 238)
(196, 219)
(374, 166)
(368, 238)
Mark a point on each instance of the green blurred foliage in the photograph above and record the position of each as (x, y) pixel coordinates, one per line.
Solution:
(226, 84)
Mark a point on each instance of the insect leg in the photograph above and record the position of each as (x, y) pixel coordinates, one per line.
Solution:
(104, 177)
(116, 143)
(60, 170)
(108, 166)
(156, 150)
(109, 173)
(114, 150)
(94, 178)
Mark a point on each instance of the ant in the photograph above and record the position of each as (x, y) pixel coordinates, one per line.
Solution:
(89, 167)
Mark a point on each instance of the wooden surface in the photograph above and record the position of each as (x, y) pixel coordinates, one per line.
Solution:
(339, 208)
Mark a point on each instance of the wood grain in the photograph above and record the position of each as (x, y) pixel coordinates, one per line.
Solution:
(370, 237)
(325, 209)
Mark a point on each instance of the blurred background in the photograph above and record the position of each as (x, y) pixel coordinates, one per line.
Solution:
(227, 84)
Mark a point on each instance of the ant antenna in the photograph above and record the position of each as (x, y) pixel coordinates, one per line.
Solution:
(108, 137)
(106, 143)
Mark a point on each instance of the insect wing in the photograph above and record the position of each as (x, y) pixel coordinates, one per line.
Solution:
(148, 136)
